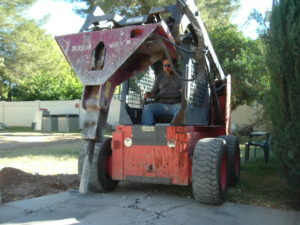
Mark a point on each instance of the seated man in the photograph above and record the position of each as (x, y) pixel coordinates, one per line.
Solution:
(167, 92)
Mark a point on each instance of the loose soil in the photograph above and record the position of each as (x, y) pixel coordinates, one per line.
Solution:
(16, 184)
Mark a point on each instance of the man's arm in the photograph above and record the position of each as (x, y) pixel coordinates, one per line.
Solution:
(154, 91)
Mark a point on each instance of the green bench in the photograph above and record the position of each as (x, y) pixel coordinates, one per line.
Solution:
(258, 140)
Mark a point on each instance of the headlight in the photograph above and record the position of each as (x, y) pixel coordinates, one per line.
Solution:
(128, 142)
(171, 143)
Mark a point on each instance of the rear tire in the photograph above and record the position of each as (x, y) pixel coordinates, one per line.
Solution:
(100, 180)
(234, 159)
(210, 171)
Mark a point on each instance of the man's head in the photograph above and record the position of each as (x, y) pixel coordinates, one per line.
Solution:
(167, 67)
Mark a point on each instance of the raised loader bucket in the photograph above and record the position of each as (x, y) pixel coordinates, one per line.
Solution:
(115, 54)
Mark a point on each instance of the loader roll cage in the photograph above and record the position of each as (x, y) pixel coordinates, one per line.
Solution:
(182, 35)
(199, 91)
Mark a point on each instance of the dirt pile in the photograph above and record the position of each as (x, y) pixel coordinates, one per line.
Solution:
(16, 184)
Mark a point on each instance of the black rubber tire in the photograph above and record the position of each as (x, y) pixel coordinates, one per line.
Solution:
(99, 181)
(207, 178)
(234, 158)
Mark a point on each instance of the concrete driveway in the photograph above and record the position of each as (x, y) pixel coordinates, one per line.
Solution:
(130, 207)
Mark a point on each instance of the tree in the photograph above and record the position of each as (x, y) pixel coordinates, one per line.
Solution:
(28, 56)
(216, 13)
(261, 20)
(284, 96)
(48, 87)
(10, 21)
(213, 12)
(58, 83)
(244, 59)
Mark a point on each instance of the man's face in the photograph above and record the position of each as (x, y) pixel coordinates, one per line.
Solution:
(167, 67)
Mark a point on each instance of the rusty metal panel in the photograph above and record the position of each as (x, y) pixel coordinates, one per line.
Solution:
(152, 163)
(119, 45)
(149, 135)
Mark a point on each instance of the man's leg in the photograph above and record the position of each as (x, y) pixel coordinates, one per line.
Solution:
(174, 109)
(152, 110)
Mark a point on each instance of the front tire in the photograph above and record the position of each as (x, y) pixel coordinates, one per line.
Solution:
(210, 171)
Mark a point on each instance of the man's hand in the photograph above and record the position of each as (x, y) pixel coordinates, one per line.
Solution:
(148, 94)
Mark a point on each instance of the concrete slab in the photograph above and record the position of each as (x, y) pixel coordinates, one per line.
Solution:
(137, 208)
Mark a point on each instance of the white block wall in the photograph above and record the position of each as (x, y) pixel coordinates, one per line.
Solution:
(22, 113)
(1, 112)
(19, 113)
(61, 107)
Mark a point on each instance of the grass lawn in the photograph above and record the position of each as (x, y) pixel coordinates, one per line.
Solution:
(17, 129)
(47, 159)
(260, 184)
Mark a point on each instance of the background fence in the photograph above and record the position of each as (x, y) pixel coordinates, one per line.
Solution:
(22, 113)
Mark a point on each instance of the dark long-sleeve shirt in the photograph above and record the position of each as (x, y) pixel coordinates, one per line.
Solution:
(167, 89)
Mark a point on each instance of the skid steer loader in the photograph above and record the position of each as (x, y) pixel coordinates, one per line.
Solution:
(193, 148)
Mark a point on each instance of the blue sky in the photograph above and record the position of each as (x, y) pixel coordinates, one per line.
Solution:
(63, 20)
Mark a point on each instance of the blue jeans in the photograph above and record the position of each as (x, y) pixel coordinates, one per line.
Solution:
(153, 110)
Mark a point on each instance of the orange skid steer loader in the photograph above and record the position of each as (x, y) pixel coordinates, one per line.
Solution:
(193, 148)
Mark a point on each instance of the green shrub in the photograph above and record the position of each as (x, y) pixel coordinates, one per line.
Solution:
(284, 97)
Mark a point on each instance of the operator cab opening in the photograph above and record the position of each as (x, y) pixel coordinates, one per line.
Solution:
(197, 94)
